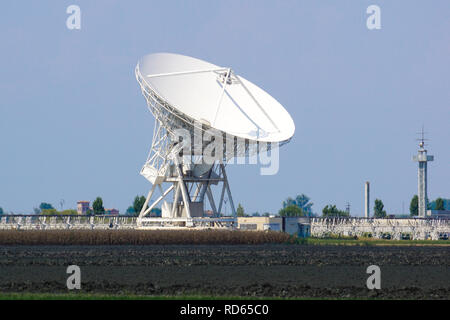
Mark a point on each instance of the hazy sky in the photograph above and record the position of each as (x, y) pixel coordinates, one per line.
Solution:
(74, 125)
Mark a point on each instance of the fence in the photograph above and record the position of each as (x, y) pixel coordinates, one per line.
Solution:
(42, 222)
(416, 229)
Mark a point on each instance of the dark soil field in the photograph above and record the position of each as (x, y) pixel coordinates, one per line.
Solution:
(266, 270)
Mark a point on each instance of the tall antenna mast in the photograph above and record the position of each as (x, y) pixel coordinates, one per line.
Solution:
(422, 138)
(422, 158)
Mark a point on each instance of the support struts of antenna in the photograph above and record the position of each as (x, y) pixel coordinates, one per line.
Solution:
(189, 177)
(206, 115)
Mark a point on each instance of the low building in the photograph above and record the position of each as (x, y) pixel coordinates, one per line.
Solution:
(438, 213)
(82, 207)
(111, 212)
(260, 223)
(299, 226)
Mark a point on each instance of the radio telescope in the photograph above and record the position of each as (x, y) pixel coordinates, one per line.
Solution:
(196, 97)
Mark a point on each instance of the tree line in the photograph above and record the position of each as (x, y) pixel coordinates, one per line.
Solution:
(46, 208)
(301, 206)
(438, 204)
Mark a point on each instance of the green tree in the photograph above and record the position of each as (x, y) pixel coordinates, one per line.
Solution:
(68, 212)
(440, 204)
(414, 206)
(45, 206)
(54, 212)
(240, 211)
(49, 212)
(378, 209)
(429, 205)
(302, 201)
(97, 206)
(1, 211)
(130, 211)
(332, 211)
(291, 211)
(138, 203)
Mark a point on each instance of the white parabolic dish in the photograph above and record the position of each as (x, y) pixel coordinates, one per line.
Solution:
(195, 88)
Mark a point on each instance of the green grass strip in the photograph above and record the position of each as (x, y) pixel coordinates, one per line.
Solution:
(93, 296)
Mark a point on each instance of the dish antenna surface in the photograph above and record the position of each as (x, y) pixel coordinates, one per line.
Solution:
(185, 93)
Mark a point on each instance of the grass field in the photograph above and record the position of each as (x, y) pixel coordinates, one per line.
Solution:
(84, 296)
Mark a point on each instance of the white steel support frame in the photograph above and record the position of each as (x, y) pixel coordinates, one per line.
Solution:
(164, 166)
(187, 190)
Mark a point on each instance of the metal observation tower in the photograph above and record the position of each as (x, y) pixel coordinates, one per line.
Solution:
(422, 158)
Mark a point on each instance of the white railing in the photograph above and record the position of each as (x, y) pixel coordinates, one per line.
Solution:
(39, 222)
(418, 229)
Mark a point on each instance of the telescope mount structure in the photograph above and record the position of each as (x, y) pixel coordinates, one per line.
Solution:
(195, 97)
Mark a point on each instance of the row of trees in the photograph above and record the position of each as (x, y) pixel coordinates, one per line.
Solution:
(301, 206)
(438, 204)
(332, 211)
(51, 212)
(97, 208)
(48, 209)
(240, 212)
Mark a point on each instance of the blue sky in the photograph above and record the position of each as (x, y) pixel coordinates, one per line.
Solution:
(74, 125)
